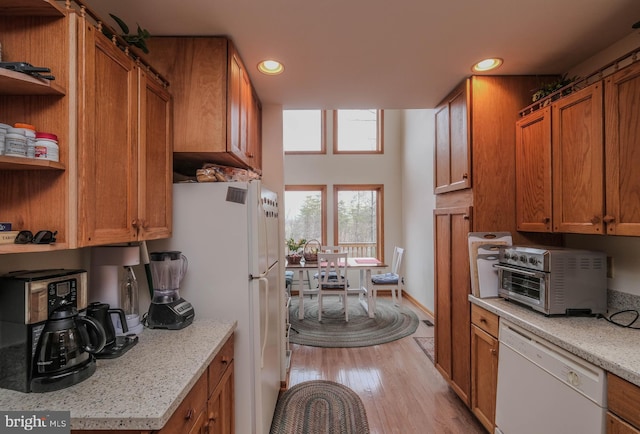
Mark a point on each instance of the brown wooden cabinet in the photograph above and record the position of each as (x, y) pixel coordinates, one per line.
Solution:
(623, 416)
(124, 164)
(218, 119)
(484, 365)
(533, 172)
(482, 109)
(578, 162)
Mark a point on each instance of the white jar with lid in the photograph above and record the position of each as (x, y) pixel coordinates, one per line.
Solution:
(46, 147)
(3, 132)
(30, 133)
(15, 143)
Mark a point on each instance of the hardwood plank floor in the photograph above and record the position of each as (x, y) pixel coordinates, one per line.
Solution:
(401, 389)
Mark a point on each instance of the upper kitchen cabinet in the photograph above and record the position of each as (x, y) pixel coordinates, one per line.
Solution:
(452, 152)
(217, 114)
(622, 154)
(124, 152)
(35, 194)
(578, 162)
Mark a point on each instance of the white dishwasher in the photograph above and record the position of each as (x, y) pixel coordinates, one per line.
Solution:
(545, 389)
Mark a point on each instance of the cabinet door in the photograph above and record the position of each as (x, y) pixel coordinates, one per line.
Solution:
(533, 172)
(578, 165)
(221, 405)
(255, 133)
(239, 108)
(107, 144)
(484, 376)
(453, 285)
(452, 150)
(622, 129)
(615, 425)
(156, 160)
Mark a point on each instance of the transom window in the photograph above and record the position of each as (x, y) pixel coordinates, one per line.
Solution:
(358, 131)
(303, 131)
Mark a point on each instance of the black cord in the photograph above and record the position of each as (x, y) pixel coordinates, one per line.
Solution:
(628, 325)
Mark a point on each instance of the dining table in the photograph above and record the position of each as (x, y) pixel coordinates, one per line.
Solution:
(366, 294)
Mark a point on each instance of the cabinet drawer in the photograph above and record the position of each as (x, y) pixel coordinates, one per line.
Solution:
(623, 398)
(185, 416)
(615, 425)
(220, 364)
(485, 320)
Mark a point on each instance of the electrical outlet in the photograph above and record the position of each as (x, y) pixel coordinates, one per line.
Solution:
(609, 266)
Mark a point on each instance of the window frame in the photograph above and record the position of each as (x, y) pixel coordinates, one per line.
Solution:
(379, 212)
(379, 133)
(322, 188)
(323, 138)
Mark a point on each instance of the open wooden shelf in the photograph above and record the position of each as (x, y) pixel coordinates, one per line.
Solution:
(43, 8)
(19, 163)
(18, 83)
(32, 248)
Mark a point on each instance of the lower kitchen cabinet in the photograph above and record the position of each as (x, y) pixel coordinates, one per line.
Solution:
(484, 365)
(622, 401)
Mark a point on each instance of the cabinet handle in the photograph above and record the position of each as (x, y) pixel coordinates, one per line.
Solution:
(482, 320)
(595, 220)
(144, 224)
(250, 155)
(493, 351)
(609, 219)
(189, 414)
(465, 176)
(135, 223)
(546, 220)
(466, 216)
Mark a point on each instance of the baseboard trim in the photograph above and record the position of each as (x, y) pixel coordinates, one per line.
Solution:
(417, 304)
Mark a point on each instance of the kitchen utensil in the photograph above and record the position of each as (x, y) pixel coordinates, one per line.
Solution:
(168, 310)
(114, 346)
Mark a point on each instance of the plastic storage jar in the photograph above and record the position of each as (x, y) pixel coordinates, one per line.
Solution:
(3, 132)
(46, 147)
(15, 143)
(30, 134)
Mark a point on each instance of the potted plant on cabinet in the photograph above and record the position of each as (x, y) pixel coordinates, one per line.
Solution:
(295, 250)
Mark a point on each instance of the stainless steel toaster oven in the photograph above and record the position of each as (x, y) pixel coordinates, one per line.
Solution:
(554, 280)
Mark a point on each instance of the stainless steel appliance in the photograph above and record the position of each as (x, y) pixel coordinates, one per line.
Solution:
(554, 280)
(168, 310)
(45, 344)
(545, 389)
(115, 346)
(230, 232)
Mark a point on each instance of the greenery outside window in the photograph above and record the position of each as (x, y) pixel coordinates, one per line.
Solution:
(305, 212)
(303, 131)
(358, 131)
(358, 222)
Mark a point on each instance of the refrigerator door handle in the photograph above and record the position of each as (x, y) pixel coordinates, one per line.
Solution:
(263, 275)
(266, 317)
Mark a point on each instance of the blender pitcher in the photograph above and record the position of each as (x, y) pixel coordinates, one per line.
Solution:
(168, 310)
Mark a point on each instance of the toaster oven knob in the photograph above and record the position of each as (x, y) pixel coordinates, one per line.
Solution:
(523, 258)
(533, 261)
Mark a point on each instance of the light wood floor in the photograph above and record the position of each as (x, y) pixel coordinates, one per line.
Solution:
(402, 391)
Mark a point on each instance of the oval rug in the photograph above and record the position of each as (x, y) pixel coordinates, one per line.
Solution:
(319, 407)
(390, 323)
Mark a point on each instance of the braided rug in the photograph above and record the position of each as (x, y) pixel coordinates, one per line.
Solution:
(390, 323)
(319, 407)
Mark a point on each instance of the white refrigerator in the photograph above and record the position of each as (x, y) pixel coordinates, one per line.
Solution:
(229, 233)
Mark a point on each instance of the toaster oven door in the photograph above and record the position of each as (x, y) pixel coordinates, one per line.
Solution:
(525, 286)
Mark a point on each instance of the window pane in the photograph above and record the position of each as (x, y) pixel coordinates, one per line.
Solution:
(303, 215)
(358, 221)
(357, 130)
(302, 130)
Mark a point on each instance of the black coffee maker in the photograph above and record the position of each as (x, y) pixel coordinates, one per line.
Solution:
(115, 345)
(45, 344)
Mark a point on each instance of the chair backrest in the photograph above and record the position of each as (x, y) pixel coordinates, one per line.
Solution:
(397, 259)
(332, 270)
(331, 249)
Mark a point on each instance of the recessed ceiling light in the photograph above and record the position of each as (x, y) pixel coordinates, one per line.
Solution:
(487, 65)
(270, 67)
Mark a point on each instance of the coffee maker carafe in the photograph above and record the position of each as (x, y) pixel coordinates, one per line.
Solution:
(168, 310)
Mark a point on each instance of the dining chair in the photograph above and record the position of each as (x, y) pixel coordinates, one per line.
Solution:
(393, 280)
(332, 279)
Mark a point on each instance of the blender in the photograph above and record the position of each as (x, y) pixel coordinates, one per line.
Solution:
(168, 310)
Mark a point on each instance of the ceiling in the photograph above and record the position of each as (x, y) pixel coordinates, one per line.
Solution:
(389, 54)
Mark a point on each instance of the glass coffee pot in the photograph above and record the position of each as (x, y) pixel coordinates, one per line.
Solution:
(168, 310)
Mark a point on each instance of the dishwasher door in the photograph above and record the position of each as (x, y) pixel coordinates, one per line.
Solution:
(545, 389)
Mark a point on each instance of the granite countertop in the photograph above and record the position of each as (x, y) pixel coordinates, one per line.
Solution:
(140, 389)
(613, 348)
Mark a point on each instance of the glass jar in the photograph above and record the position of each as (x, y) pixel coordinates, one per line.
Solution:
(46, 147)
(15, 143)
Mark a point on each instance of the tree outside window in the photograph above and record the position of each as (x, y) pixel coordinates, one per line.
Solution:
(305, 212)
(358, 224)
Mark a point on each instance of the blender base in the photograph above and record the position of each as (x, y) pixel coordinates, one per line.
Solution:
(171, 316)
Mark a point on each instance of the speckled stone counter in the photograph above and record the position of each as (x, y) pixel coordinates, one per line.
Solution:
(613, 348)
(139, 390)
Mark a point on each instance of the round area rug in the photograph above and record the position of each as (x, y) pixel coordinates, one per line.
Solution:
(319, 407)
(390, 323)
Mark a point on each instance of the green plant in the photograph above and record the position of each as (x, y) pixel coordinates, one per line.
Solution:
(137, 40)
(295, 246)
(549, 88)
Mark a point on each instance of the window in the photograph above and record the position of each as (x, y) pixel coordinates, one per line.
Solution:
(358, 220)
(303, 131)
(358, 131)
(305, 212)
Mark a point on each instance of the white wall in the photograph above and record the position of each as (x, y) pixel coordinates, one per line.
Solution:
(418, 127)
